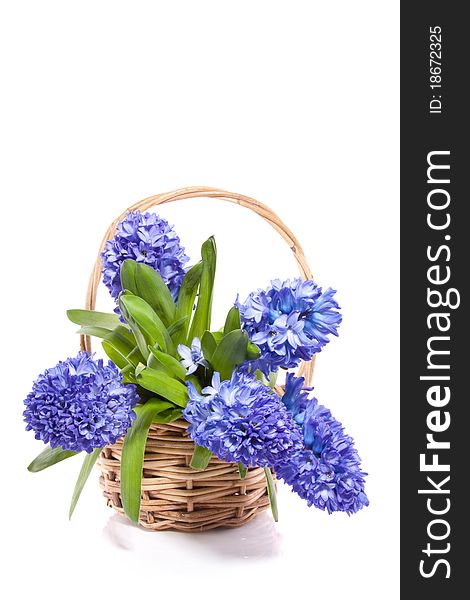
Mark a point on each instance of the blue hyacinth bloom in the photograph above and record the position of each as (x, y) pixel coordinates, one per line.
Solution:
(149, 239)
(242, 420)
(290, 321)
(192, 358)
(327, 471)
(80, 404)
(296, 397)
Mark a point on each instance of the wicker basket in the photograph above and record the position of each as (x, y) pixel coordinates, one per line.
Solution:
(174, 496)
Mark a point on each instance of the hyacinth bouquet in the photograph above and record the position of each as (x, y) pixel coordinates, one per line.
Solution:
(167, 363)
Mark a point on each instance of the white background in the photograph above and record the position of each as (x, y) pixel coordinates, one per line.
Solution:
(294, 103)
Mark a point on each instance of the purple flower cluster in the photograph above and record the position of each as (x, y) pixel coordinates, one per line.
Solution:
(149, 239)
(327, 471)
(80, 404)
(290, 321)
(242, 420)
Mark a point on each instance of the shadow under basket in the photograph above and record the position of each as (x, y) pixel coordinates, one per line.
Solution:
(175, 496)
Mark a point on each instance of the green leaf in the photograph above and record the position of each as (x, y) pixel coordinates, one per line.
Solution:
(132, 458)
(162, 384)
(172, 365)
(208, 345)
(152, 288)
(138, 313)
(127, 276)
(128, 374)
(218, 336)
(122, 339)
(252, 351)
(85, 471)
(202, 315)
(201, 458)
(168, 416)
(186, 298)
(145, 282)
(154, 363)
(233, 320)
(99, 332)
(120, 347)
(271, 493)
(242, 470)
(260, 376)
(139, 337)
(93, 318)
(272, 379)
(48, 457)
(113, 354)
(176, 328)
(230, 352)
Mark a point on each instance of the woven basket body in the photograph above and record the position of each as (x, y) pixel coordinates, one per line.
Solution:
(174, 496)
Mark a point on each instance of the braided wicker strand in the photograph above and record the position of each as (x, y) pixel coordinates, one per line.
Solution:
(174, 496)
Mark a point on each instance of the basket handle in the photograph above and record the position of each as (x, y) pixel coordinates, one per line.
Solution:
(306, 368)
